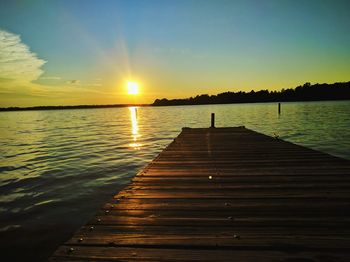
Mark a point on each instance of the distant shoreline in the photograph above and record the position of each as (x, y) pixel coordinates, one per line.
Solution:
(42, 108)
(255, 102)
(305, 93)
(5, 109)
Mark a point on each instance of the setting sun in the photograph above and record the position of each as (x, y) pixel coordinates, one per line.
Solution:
(133, 88)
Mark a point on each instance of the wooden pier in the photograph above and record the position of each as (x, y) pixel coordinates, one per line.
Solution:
(224, 194)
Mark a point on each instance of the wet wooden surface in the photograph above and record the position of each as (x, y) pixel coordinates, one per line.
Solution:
(224, 194)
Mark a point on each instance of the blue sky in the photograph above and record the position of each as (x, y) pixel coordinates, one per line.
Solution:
(82, 52)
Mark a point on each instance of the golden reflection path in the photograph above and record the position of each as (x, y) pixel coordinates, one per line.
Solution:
(134, 128)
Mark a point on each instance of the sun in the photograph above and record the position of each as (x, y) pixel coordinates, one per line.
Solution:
(133, 88)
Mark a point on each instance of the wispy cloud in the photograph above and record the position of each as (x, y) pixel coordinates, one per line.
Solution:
(17, 61)
(50, 78)
(20, 68)
(74, 82)
(94, 84)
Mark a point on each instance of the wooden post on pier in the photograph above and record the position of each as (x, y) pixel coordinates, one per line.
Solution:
(212, 120)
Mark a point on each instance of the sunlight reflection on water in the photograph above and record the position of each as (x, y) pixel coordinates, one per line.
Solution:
(134, 128)
(58, 167)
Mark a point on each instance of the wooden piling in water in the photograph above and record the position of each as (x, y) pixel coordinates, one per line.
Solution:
(212, 120)
(279, 108)
(222, 194)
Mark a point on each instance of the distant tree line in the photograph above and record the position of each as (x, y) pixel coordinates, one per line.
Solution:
(306, 92)
(66, 107)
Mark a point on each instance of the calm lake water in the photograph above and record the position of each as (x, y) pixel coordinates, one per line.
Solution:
(58, 167)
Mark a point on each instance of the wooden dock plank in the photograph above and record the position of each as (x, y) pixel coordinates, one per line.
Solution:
(171, 254)
(224, 194)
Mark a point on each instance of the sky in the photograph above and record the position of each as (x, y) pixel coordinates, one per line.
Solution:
(72, 52)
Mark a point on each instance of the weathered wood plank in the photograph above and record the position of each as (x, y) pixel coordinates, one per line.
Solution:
(217, 230)
(248, 241)
(167, 254)
(227, 194)
(238, 210)
(288, 221)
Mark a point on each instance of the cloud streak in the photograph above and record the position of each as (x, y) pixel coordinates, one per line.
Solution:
(50, 78)
(74, 82)
(17, 62)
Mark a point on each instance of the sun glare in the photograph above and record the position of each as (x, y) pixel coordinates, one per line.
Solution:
(133, 88)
